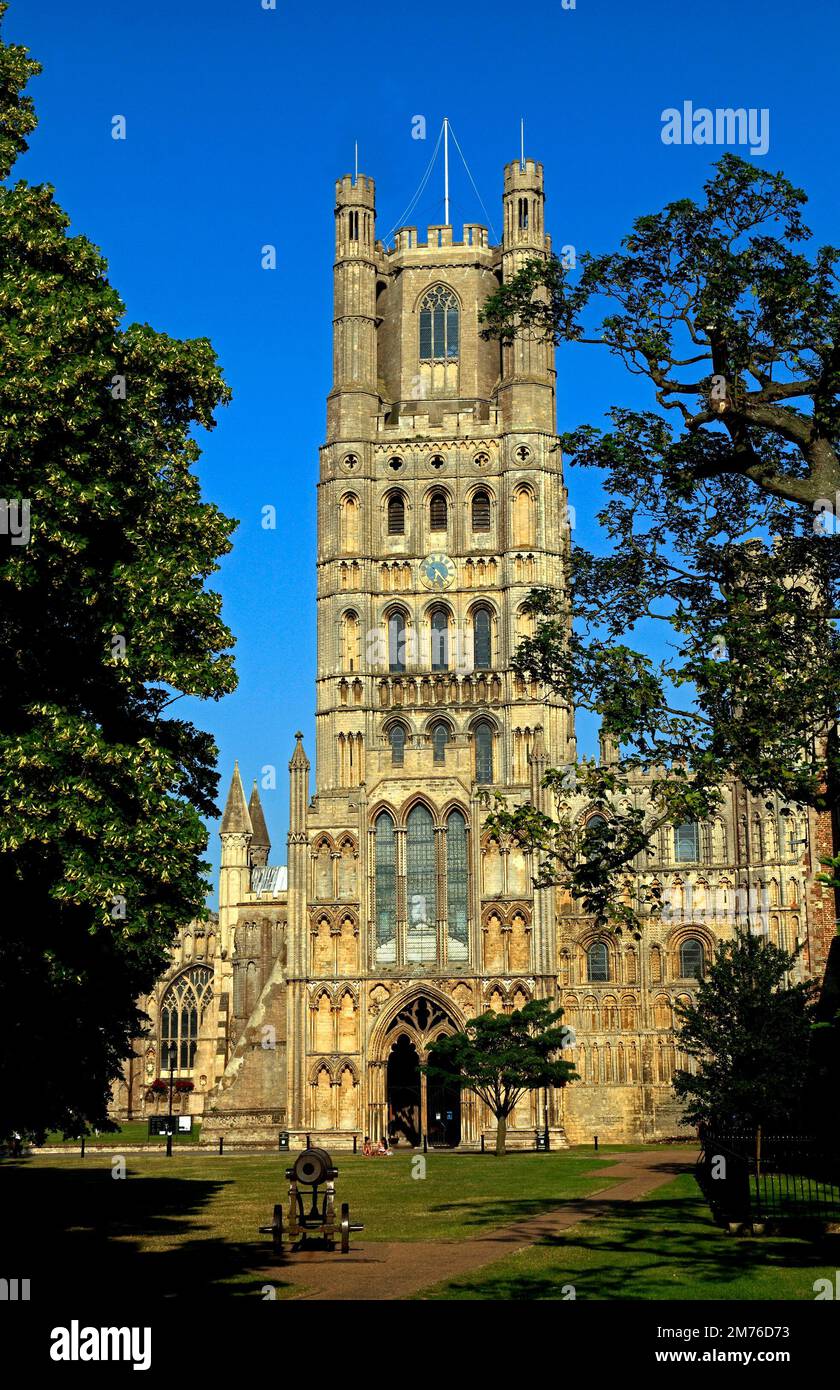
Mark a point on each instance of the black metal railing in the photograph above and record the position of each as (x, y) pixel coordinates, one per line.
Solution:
(776, 1177)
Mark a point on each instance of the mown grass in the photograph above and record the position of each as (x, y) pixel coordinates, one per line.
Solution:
(665, 1246)
(187, 1226)
(131, 1133)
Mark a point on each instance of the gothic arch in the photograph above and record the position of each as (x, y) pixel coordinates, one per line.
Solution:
(437, 285)
(379, 1044)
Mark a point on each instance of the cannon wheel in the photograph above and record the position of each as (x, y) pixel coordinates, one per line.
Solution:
(345, 1228)
(277, 1229)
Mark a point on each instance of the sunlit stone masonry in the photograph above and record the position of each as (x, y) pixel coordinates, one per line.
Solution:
(312, 1001)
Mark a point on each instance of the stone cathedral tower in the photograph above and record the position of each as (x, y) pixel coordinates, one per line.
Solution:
(313, 1001)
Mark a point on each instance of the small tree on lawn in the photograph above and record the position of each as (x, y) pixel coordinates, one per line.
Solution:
(501, 1056)
(749, 1034)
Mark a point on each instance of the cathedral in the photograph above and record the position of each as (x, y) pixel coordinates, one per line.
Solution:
(311, 1002)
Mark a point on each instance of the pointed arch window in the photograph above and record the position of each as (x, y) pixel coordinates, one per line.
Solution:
(440, 639)
(440, 738)
(439, 326)
(397, 740)
(421, 886)
(386, 888)
(481, 511)
(483, 736)
(598, 962)
(438, 512)
(182, 1011)
(396, 642)
(482, 654)
(687, 843)
(396, 514)
(457, 884)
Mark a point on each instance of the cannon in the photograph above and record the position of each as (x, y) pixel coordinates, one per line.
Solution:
(313, 1169)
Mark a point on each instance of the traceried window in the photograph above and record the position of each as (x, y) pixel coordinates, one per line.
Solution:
(483, 737)
(456, 884)
(181, 1013)
(482, 655)
(421, 886)
(687, 843)
(481, 511)
(597, 962)
(438, 512)
(691, 959)
(440, 640)
(396, 514)
(440, 738)
(439, 326)
(386, 888)
(432, 885)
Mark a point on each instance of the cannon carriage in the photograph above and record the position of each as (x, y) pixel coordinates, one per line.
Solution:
(315, 1173)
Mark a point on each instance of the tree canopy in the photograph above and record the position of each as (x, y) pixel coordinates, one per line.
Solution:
(105, 620)
(714, 528)
(501, 1056)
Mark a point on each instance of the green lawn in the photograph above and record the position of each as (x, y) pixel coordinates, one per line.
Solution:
(662, 1247)
(189, 1224)
(186, 1227)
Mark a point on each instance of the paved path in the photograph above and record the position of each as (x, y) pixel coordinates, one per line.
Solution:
(377, 1270)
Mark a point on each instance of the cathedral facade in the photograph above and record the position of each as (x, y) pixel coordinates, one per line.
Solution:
(311, 1003)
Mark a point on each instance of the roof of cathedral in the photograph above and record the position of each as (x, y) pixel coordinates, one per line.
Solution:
(270, 878)
(236, 819)
(259, 839)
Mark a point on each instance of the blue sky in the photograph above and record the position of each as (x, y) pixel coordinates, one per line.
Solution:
(239, 120)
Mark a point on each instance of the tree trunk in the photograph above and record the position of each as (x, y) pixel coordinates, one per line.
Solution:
(501, 1131)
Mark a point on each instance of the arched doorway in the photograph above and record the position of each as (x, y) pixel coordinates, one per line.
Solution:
(404, 1093)
(417, 1107)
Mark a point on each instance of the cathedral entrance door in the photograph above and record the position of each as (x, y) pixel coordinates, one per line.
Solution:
(443, 1115)
(404, 1093)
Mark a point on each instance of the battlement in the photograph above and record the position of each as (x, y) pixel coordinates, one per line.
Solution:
(408, 239)
(530, 177)
(360, 192)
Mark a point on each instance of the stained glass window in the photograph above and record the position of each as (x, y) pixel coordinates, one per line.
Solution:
(483, 752)
(182, 1009)
(439, 325)
(421, 894)
(456, 886)
(385, 888)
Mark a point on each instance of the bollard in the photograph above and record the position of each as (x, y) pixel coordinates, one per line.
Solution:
(425, 1144)
(596, 1142)
(482, 1143)
(221, 1143)
(82, 1152)
(309, 1141)
(169, 1143)
(355, 1142)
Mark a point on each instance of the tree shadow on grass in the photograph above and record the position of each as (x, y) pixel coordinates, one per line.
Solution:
(85, 1230)
(649, 1250)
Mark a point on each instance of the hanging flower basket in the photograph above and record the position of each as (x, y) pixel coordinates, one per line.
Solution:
(159, 1087)
(184, 1087)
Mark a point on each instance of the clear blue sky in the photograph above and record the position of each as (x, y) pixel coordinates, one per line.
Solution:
(239, 119)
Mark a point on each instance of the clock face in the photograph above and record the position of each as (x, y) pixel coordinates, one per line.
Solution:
(437, 571)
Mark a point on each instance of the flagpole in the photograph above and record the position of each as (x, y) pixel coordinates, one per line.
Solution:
(446, 171)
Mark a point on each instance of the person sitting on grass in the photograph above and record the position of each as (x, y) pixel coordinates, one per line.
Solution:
(383, 1151)
(367, 1148)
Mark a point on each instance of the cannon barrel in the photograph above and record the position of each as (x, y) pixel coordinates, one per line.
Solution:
(313, 1167)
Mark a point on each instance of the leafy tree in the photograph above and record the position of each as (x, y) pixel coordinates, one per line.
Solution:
(749, 1033)
(710, 528)
(105, 620)
(501, 1056)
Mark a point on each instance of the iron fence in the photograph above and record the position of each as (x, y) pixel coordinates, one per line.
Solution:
(778, 1177)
